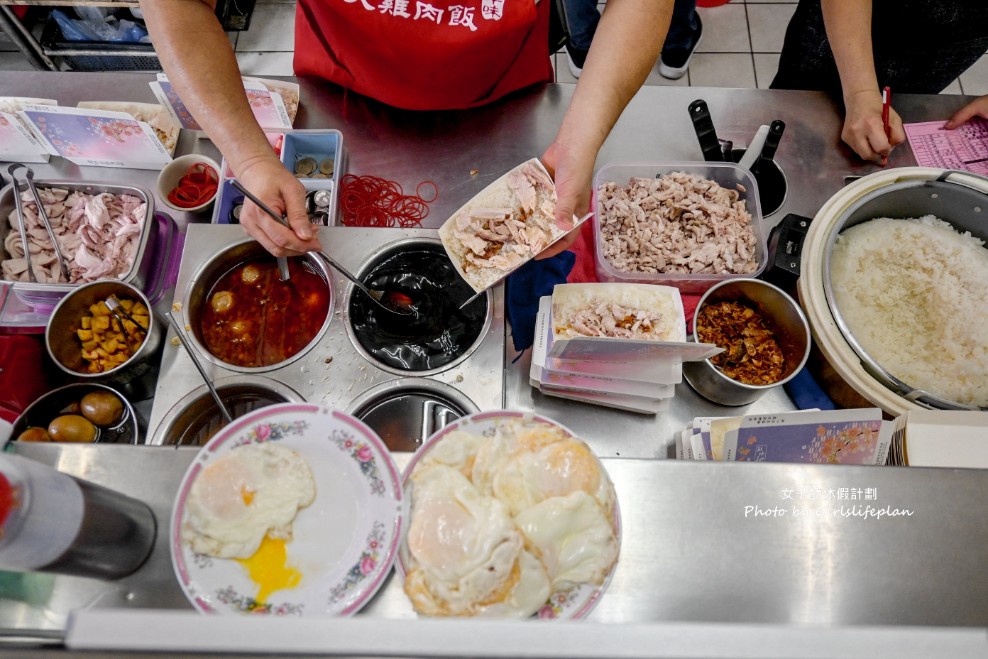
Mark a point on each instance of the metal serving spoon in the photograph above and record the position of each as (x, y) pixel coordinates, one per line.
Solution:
(180, 331)
(381, 298)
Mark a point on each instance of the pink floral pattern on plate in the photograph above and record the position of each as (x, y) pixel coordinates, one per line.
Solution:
(338, 578)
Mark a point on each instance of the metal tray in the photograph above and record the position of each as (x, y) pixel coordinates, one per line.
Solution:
(47, 295)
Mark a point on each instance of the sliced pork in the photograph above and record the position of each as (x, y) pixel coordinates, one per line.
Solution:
(677, 223)
(98, 236)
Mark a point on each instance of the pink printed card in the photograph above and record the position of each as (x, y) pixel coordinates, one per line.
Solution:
(964, 148)
(96, 137)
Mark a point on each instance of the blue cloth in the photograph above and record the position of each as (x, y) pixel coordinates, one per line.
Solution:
(806, 393)
(523, 289)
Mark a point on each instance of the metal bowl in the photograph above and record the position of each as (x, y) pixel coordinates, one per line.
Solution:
(781, 314)
(195, 417)
(42, 411)
(196, 297)
(396, 357)
(407, 411)
(47, 295)
(136, 376)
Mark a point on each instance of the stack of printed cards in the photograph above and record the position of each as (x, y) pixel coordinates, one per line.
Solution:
(941, 438)
(856, 437)
(616, 345)
(96, 137)
(17, 142)
(273, 102)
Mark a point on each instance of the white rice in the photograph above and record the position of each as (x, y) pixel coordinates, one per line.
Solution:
(914, 294)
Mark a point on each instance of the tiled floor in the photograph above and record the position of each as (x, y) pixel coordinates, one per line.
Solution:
(740, 47)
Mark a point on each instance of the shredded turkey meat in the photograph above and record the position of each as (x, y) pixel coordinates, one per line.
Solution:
(601, 318)
(504, 238)
(677, 223)
(98, 236)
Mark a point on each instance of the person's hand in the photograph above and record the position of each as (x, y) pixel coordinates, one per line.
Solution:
(572, 173)
(273, 184)
(976, 108)
(863, 128)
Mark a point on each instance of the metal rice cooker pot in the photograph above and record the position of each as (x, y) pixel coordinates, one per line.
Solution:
(959, 198)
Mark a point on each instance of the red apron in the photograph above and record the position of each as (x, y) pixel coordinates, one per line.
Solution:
(418, 55)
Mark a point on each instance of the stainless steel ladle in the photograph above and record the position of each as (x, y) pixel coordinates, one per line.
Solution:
(372, 293)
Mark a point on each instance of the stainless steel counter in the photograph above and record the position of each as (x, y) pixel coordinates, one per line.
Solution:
(701, 542)
(689, 553)
(445, 147)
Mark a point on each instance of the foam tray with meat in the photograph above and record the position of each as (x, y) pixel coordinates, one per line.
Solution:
(508, 223)
(622, 311)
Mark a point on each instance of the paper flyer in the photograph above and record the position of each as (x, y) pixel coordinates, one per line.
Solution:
(96, 137)
(268, 107)
(17, 144)
(858, 437)
(964, 148)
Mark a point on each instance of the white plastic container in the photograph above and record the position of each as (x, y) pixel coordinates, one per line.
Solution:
(727, 175)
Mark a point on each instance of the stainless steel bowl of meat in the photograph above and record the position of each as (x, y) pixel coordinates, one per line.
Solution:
(104, 232)
(243, 318)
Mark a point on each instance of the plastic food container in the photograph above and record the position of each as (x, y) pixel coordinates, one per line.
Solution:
(727, 175)
(293, 146)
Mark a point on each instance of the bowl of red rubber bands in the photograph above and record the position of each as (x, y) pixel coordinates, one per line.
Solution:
(189, 183)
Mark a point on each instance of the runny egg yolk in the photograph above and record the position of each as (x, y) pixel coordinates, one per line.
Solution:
(267, 568)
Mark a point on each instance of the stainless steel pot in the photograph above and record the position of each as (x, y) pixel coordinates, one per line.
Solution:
(195, 417)
(781, 314)
(958, 198)
(196, 296)
(135, 377)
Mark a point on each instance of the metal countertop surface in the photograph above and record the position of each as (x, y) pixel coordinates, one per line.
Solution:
(445, 147)
(689, 553)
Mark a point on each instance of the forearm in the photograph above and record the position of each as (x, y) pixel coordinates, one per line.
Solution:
(848, 24)
(200, 63)
(625, 47)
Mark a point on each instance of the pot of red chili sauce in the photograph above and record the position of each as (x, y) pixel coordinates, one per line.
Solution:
(245, 319)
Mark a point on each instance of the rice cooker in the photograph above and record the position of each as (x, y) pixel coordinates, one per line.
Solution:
(959, 198)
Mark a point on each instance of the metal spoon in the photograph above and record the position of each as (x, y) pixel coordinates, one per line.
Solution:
(180, 331)
(42, 215)
(113, 304)
(373, 294)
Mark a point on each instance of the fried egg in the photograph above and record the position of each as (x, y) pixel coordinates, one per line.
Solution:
(510, 439)
(474, 497)
(572, 537)
(456, 450)
(250, 492)
(551, 469)
(463, 545)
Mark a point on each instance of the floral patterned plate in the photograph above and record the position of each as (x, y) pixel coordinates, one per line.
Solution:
(344, 543)
(573, 604)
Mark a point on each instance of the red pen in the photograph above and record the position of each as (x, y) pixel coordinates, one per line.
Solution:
(886, 104)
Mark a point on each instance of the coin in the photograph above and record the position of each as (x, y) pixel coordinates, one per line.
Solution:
(327, 166)
(322, 198)
(305, 166)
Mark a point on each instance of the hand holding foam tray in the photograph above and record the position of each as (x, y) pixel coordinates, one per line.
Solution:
(507, 224)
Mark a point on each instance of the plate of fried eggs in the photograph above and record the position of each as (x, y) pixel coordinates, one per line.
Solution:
(293, 509)
(511, 515)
